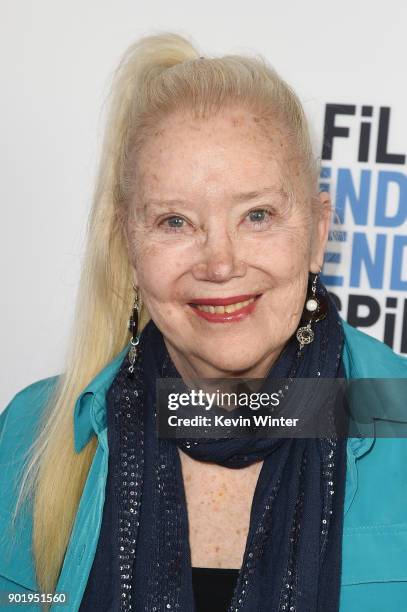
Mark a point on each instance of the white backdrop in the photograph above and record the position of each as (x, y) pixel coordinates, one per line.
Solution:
(56, 62)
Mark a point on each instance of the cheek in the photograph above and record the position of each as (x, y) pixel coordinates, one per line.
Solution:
(158, 269)
(285, 258)
(286, 304)
(290, 270)
(284, 255)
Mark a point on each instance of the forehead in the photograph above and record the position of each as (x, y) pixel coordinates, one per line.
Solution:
(226, 133)
(234, 149)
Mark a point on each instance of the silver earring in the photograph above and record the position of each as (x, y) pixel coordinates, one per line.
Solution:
(133, 328)
(315, 309)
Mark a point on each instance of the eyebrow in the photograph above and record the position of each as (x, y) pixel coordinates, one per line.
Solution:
(243, 196)
(252, 195)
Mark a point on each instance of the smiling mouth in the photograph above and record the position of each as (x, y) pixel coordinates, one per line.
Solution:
(225, 306)
(222, 309)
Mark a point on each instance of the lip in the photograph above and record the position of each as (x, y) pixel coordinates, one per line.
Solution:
(234, 299)
(226, 317)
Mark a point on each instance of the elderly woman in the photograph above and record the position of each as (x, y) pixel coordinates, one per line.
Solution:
(208, 229)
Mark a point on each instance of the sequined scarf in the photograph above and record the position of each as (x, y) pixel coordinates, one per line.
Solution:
(292, 560)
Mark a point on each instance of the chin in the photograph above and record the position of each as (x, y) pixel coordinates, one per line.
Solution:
(234, 362)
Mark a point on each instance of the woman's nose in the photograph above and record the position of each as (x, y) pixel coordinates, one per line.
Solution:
(218, 259)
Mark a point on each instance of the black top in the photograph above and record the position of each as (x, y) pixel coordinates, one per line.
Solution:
(213, 588)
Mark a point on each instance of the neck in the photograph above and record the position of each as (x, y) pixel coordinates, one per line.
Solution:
(193, 368)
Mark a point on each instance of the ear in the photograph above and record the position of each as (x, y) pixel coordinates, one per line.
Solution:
(322, 224)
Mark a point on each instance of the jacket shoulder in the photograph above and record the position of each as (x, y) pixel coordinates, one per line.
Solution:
(36, 391)
(25, 408)
(19, 425)
(367, 357)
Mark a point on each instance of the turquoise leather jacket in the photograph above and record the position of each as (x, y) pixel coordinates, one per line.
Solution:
(374, 559)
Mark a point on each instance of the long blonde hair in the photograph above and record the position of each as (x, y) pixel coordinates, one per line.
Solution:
(157, 75)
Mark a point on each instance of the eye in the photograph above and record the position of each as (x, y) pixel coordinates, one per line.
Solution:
(259, 217)
(173, 223)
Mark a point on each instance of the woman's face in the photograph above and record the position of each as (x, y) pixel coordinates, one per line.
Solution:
(212, 223)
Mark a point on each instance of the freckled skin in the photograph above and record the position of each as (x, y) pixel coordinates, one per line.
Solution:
(218, 524)
(218, 252)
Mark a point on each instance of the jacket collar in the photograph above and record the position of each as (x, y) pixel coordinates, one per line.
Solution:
(90, 407)
(363, 356)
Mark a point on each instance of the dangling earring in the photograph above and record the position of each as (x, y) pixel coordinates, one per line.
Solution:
(133, 327)
(315, 309)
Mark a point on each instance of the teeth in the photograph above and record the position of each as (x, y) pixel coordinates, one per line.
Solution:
(222, 309)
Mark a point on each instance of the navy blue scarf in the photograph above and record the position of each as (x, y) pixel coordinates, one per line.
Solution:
(292, 560)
